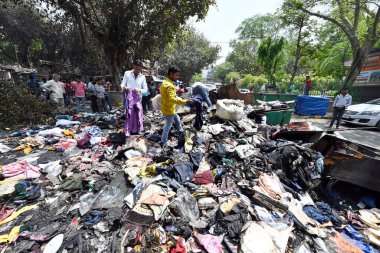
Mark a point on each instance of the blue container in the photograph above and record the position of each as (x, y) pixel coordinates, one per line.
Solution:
(311, 106)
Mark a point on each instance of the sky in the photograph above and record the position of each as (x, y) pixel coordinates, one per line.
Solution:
(223, 19)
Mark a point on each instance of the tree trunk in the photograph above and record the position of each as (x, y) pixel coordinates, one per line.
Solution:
(359, 58)
(298, 51)
(114, 56)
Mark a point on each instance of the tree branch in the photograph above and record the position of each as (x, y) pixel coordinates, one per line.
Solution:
(346, 22)
(376, 24)
(334, 21)
(357, 15)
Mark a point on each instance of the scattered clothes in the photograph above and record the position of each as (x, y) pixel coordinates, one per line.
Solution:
(20, 170)
(321, 213)
(52, 132)
(72, 183)
(342, 245)
(353, 236)
(373, 236)
(5, 213)
(94, 131)
(65, 123)
(204, 178)
(11, 237)
(4, 148)
(245, 151)
(54, 168)
(370, 217)
(232, 221)
(185, 205)
(26, 190)
(265, 237)
(212, 244)
(230, 186)
(65, 144)
(183, 172)
(17, 213)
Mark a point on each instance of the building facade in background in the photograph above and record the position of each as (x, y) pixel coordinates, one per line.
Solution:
(368, 81)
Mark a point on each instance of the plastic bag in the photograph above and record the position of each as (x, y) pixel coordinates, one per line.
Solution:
(230, 109)
(156, 101)
(86, 202)
(106, 198)
(54, 168)
(186, 205)
(109, 197)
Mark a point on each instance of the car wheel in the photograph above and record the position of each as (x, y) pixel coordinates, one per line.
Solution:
(378, 125)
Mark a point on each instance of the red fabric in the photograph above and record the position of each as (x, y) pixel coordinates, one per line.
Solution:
(179, 246)
(309, 83)
(204, 178)
(5, 213)
(181, 91)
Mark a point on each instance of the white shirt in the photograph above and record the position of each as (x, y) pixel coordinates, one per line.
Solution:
(57, 88)
(132, 82)
(342, 101)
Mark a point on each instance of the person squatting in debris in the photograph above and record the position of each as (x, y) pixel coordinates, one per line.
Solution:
(57, 90)
(169, 103)
(341, 102)
(133, 85)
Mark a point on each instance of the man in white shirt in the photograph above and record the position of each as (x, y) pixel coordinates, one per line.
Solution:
(134, 80)
(341, 102)
(57, 90)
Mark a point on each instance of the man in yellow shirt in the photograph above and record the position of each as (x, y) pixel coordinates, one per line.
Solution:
(169, 103)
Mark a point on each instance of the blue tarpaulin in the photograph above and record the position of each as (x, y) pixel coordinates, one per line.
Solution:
(311, 106)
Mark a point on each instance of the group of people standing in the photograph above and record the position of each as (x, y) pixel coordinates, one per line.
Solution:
(137, 97)
(62, 92)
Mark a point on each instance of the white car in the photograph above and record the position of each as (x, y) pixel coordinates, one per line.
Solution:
(367, 114)
(244, 91)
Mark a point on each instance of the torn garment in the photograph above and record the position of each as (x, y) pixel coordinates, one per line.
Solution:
(20, 170)
(261, 237)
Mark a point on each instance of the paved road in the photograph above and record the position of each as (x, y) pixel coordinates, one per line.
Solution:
(366, 137)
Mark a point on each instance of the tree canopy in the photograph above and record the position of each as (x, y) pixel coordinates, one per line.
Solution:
(319, 37)
(125, 30)
(191, 52)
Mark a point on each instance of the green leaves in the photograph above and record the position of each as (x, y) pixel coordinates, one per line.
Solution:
(269, 56)
(190, 51)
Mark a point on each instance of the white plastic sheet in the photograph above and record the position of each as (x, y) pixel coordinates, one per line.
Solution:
(230, 109)
(262, 237)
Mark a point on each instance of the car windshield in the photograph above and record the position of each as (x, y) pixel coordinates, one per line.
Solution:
(374, 102)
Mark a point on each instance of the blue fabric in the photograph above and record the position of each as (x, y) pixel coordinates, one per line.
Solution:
(198, 108)
(353, 236)
(321, 212)
(202, 92)
(311, 106)
(369, 201)
(315, 214)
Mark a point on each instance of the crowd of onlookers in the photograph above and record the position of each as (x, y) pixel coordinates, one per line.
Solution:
(65, 92)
